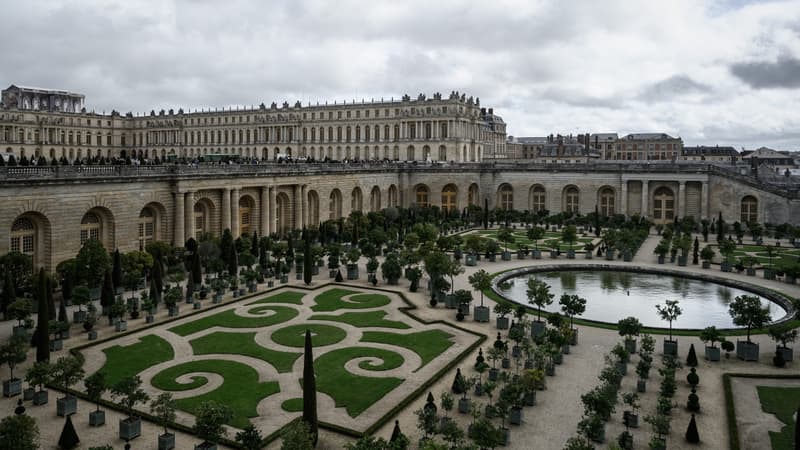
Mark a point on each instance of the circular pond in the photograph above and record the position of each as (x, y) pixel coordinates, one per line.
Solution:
(612, 295)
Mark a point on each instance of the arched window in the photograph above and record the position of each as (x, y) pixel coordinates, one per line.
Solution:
(749, 210)
(246, 216)
(411, 153)
(91, 227)
(449, 198)
(147, 227)
(23, 237)
(663, 205)
(607, 202)
(571, 200)
(393, 196)
(313, 208)
(356, 200)
(442, 153)
(473, 195)
(538, 199)
(375, 198)
(335, 205)
(200, 221)
(421, 195)
(506, 197)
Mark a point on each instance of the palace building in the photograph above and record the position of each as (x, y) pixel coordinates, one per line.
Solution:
(446, 151)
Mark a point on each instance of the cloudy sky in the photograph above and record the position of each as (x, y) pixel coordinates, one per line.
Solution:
(712, 71)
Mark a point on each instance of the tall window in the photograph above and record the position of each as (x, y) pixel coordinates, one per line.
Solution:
(449, 198)
(538, 199)
(245, 216)
(313, 207)
(356, 200)
(749, 210)
(422, 196)
(199, 219)
(147, 228)
(572, 200)
(472, 194)
(335, 205)
(90, 227)
(607, 202)
(506, 199)
(23, 237)
(375, 198)
(663, 205)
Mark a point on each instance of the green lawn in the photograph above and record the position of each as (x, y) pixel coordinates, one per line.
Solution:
(131, 359)
(549, 240)
(322, 335)
(427, 344)
(354, 392)
(237, 376)
(782, 254)
(292, 297)
(229, 319)
(331, 300)
(783, 402)
(292, 405)
(243, 344)
(363, 319)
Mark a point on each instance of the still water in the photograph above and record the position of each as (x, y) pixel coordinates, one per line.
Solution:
(613, 295)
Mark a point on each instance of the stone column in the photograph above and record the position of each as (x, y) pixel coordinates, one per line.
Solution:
(263, 221)
(273, 218)
(681, 199)
(623, 202)
(178, 228)
(235, 212)
(303, 206)
(645, 198)
(296, 208)
(226, 209)
(189, 215)
(704, 201)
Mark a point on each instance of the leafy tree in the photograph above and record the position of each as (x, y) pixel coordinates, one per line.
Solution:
(14, 352)
(538, 293)
(21, 430)
(130, 393)
(67, 371)
(96, 384)
(92, 262)
(572, 305)
(669, 312)
(297, 436)
(116, 271)
(107, 291)
(535, 234)
(569, 235)
(163, 408)
(481, 281)
(209, 420)
(250, 437)
(8, 296)
(747, 311)
(43, 323)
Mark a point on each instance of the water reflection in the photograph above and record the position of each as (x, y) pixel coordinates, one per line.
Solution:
(613, 295)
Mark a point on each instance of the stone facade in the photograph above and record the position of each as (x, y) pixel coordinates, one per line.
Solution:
(440, 128)
(50, 210)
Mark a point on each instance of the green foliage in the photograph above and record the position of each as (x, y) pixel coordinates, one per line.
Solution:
(480, 281)
(538, 294)
(39, 374)
(224, 343)
(92, 262)
(249, 438)
(130, 393)
(782, 402)
(14, 352)
(712, 335)
(127, 361)
(362, 319)
(67, 371)
(163, 409)
(629, 327)
(669, 312)
(572, 305)
(229, 319)
(331, 300)
(747, 311)
(427, 344)
(96, 384)
(297, 436)
(21, 430)
(210, 417)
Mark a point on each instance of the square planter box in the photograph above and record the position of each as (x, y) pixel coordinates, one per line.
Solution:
(352, 273)
(712, 353)
(285, 279)
(197, 305)
(64, 334)
(470, 261)
(315, 270)
(450, 301)
(706, 264)
(670, 348)
(537, 254)
(78, 316)
(20, 331)
(537, 328)
(298, 276)
(166, 441)
(252, 288)
(56, 345)
(515, 416)
(747, 351)
(122, 325)
(570, 254)
(481, 313)
(174, 311)
(12, 387)
(242, 291)
(502, 323)
(92, 335)
(630, 345)
(506, 256)
(130, 429)
(217, 298)
(66, 406)
(97, 418)
(40, 398)
(149, 318)
(786, 352)
(28, 393)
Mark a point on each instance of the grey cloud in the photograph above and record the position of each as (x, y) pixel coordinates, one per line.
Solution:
(783, 73)
(668, 89)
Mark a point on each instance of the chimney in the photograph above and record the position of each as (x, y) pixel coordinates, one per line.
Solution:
(491, 111)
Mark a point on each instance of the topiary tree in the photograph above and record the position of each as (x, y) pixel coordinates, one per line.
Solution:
(129, 392)
(746, 311)
(69, 437)
(692, 435)
(163, 409)
(14, 352)
(210, 418)
(43, 322)
(297, 436)
(480, 281)
(669, 312)
(538, 293)
(572, 305)
(310, 389)
(691, 358)
(96, 384)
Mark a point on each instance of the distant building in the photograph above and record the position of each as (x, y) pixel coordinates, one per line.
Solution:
(726, 154)
(604, 143)
(38, 99)
(775, 160)
(554, 149)
(648, 146)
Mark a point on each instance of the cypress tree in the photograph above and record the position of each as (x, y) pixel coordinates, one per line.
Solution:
(307, 258)
(62, 310)
(485, 213)
(69, 437)
(107, 292)
(48, 297)
(9, 295)
(116, 271)
(692, 436)
(797, 430)
(310, 389)
(720, 228)
(696, 251)
(197, 271)
(43, 322)
(254, 249)
(157, 275)
(397, 435)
